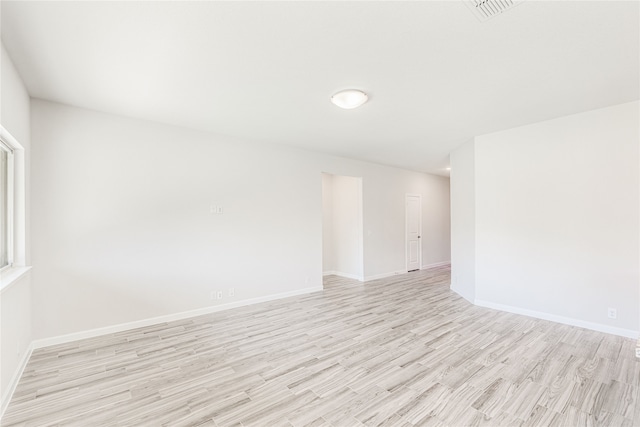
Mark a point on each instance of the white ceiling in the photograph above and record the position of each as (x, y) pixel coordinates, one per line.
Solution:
(265, 71)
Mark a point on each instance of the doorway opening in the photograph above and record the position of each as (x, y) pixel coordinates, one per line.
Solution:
(342, 227)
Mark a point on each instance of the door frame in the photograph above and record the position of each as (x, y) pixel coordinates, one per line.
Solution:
(406, 231)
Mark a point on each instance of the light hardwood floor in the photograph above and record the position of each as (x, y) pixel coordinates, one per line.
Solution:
(401, 351)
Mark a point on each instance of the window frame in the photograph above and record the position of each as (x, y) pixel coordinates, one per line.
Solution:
(16, 212)
(7, 147)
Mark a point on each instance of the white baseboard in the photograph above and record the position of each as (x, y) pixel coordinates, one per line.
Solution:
(628, 333)
(46, 342)
(6, 397)
(328, 273)
(436, 264)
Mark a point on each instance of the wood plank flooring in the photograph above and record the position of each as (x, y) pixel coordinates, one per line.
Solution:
(403, 351)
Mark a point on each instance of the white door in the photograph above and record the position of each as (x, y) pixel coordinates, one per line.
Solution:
(413, 227)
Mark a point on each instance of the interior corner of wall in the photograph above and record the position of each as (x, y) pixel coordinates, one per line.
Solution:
(464, 294)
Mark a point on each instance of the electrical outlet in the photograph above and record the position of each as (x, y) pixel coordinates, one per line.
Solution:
(638, 352)
(612, 313)
(232, 292)
(219, 295)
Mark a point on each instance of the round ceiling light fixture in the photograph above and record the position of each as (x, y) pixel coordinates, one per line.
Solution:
(350, 98)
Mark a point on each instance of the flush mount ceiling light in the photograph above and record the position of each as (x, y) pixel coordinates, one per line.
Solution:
(350, 98)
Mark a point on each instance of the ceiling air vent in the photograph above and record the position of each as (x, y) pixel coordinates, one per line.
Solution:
(487, 9)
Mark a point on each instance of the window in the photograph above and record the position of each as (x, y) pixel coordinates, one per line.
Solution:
(12, 207)
(6, 205)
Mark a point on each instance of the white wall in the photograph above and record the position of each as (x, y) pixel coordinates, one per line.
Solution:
(122, 224)
(557, 210)
(384, 191)
(15, 301)
(344, 245)
(436, 222)
(347, 226)
(327, 224)
(463, 217)
(122, 229)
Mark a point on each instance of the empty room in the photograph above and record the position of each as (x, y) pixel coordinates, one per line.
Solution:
(320, 213)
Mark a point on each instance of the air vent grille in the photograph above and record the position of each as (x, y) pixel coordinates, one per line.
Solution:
(487, 9)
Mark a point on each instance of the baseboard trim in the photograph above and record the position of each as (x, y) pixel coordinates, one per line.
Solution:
(436, 264)
(628, 333)
(92, 333)
(6, 398)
